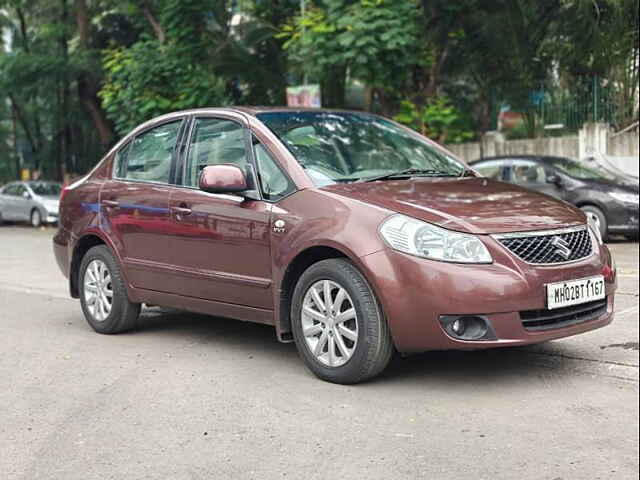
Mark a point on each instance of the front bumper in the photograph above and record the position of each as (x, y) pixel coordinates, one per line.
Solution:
(51, 218)
(415, 292)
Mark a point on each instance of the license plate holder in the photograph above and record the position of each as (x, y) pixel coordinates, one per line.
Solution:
(575, 292)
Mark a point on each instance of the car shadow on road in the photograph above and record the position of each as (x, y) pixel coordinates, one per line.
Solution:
(497, 366)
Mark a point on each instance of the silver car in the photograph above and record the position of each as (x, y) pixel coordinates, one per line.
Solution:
(35, 202)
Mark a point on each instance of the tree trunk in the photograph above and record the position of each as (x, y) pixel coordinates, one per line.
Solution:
(14, 128)
(153, 21)
(333, 87)
(23, 29)
(434, 73)
(88, 86)
(82, 21)
(88, 97)
(19, 116)
(65, 134)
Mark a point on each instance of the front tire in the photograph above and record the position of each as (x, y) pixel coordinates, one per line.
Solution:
(345, 339)
(103, 293)
(36, 218)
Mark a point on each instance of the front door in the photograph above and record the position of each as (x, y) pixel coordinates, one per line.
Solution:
(533, 176)
(220, 243)
(135, 205)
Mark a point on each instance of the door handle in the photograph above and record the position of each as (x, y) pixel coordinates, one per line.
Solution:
(110, 203)
(181, 211)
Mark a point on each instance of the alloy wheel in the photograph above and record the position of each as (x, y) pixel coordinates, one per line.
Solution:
(329, 323)
(98, 290)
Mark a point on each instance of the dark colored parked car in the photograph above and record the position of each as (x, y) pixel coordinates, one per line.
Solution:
(350, 234)
(609, 199)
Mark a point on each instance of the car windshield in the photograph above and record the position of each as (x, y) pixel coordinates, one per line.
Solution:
(576, 170)
(346, 147)
(45, 189)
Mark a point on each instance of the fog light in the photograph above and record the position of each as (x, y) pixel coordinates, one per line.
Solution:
(459, 326)
(468, 327)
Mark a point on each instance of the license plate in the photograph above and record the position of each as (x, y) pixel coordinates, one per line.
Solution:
(575, 292)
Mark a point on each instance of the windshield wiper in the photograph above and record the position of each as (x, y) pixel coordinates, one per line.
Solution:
(407, 173)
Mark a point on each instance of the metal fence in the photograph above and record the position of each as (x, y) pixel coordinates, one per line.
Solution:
(561, 111)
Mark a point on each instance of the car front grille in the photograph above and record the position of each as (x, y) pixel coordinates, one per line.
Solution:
(537, 320)
(551, 247)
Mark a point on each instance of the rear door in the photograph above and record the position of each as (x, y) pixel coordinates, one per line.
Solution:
(6, 201)
(22, 203)
(135, 203)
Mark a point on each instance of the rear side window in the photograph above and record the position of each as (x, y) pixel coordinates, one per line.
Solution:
(121, 161)
(148, 157)
(215, 141)
(11, 189)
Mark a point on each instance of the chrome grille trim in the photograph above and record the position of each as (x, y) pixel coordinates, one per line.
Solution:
(540, 233)
(533, 248)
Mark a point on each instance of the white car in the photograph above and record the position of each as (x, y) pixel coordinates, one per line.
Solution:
(35, 202)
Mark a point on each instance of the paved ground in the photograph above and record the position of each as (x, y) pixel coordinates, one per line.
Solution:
(190, 397)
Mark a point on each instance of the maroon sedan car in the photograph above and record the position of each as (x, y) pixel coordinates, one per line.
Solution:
(350, 234)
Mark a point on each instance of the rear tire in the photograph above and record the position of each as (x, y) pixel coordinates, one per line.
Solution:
(600, 218)
(352, 324)
(36, 218)
(103, 293)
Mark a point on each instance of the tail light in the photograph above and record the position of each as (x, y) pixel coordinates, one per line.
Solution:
(63, 194)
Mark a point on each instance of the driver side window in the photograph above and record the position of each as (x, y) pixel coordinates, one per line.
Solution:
(215, 141)
(527, 173)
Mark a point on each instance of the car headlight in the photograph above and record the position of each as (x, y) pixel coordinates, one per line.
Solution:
(595, 228)
(625, 197)
(422, 239)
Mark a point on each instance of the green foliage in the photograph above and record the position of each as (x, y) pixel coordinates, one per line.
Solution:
(149, 79)
(377, 40)
(438, 119)
(443, 67)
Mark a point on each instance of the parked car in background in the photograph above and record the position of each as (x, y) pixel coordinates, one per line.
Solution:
(608, 198)
(350, 234)
(35, 202)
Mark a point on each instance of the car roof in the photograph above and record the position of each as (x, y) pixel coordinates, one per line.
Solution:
(254, 111)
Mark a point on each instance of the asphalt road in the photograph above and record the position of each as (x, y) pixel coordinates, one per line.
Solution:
(191, 397)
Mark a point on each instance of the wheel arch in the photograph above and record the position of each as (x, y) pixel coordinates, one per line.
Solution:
(80, 249)
(296, 267)
(599, 206)
(589, 202)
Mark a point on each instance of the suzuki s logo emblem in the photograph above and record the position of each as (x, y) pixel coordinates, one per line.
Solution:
(562, 247)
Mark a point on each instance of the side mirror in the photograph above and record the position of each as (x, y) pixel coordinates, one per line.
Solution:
(26, 195)
(554, 179)
(223, 179)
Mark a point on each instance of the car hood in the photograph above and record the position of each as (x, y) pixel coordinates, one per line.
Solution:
(473, 205)
(620, 185)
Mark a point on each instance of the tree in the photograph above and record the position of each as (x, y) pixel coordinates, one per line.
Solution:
(372, 40)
